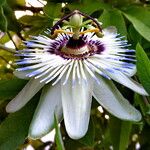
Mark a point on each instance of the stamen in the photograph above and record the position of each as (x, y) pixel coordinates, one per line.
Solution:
(56, 32)
(96, 30)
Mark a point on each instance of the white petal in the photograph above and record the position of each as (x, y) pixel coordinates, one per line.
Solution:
(111, 99)
(76, 101)
(127, 81)
(21, 74)
(30, 89)
(131, 72)
(43, 119)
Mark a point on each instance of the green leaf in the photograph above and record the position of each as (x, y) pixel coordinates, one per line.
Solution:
(88, 6)
(34, 20)
(13, 24)
(37, 24)
(124, 135)
(53, 10)
(16, 3)
(2, 2)
(134, 36)
(58, 137)
(60, 1)
(3, 20)
(143, 67)
(88, 139)
(10, 88)
(7, 18)
(121, 130)
(114, 17)
(144, 138)
(143, 103)
(5, 38)
(139, 17)
(14, 129)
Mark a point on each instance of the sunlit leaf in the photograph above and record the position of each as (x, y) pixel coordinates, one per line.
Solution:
(5, 38)
(16, 3)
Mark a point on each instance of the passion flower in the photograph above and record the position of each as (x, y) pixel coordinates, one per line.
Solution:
(72, 63)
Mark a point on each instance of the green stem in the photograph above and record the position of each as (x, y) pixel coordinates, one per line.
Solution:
(76, 33)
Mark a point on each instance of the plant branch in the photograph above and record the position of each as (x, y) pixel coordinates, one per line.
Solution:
(7, 49)
(12, 40)
(33, 9)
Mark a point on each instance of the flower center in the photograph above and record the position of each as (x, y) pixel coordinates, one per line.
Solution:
(75, 47)
(78, 48)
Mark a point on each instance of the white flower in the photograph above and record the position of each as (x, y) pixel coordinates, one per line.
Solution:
(71, 70)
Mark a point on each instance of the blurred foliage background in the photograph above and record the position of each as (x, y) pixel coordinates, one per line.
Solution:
(19, 19)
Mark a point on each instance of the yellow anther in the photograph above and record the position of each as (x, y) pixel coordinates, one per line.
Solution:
(56, 32)
(96, 30)
(62, 31)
